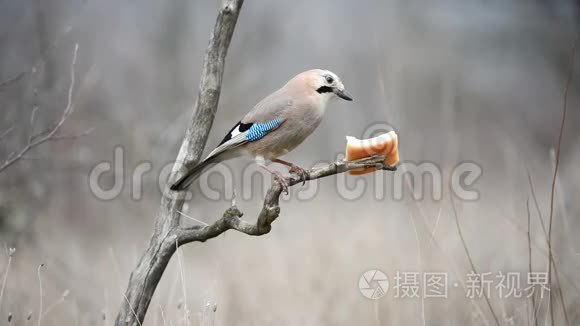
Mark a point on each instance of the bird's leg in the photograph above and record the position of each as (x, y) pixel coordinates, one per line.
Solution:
(293, 169)
(277, 176)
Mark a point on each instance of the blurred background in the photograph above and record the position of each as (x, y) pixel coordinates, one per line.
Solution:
(473, 80)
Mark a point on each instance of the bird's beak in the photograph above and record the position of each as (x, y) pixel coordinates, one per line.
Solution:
(342, 94)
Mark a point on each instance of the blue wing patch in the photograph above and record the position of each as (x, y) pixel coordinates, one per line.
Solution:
(260, 129)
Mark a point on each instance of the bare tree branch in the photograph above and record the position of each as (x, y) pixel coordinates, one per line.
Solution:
(231, 218)
(146, 275)
(49, 134)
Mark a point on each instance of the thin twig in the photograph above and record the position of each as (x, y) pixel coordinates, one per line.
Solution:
(420, 266)
(434, 242)
(6, 132)
(73, 136)
(194, 219)
(116, 267)
(535, 318)
(162, 315)
(557, 164)
(554, 263)
(436, 223)
(10, 254)
(38, 270)
(12, 80)
(56, 303)
(33, 115)
(469, 257)
(185, 307)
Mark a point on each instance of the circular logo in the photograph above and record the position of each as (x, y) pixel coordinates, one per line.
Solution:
(373, 284)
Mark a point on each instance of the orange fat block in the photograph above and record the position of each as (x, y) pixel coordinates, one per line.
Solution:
(385, 144)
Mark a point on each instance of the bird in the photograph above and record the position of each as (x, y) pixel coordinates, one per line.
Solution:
(275, 126)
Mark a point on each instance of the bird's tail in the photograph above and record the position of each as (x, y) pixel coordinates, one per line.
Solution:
(191, 175)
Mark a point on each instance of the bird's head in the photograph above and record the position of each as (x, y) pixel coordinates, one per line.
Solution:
(323, 84)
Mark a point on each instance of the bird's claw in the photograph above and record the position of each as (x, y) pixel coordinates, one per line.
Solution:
(282, 181)
(299, 171)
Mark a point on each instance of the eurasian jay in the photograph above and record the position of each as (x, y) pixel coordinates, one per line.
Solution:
(276, 125)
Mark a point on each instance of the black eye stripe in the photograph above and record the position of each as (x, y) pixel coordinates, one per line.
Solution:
(324, 89)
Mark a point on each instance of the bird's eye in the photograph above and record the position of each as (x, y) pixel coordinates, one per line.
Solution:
(329, 79)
